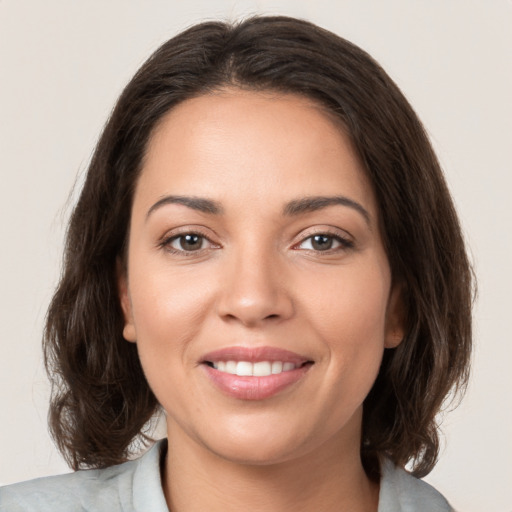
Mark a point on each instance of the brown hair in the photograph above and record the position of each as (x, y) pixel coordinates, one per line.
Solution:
(101, 400)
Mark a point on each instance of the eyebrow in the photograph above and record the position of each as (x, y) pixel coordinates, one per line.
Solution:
(315, 203)
(293, 208)
(195, 203)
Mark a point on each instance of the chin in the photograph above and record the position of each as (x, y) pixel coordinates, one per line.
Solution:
(256, 453)
(264, 443)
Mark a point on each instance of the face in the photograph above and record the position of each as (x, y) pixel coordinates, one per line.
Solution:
(257, 290)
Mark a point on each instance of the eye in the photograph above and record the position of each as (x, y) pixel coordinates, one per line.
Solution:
(323, 242)
(186, 242)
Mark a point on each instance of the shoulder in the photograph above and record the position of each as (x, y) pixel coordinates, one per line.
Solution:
(83, 490)
(401, 492)
(127, 487)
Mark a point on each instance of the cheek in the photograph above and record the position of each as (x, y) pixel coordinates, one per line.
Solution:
(168, 311)
(166, 302)
(348, 314)
(350, 304)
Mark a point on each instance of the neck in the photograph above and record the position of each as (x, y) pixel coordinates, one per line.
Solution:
(331, 479)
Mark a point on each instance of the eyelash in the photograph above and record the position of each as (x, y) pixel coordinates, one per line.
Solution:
(167, 241)
(345, 243)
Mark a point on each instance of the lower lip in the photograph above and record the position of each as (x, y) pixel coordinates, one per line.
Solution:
(254, 388)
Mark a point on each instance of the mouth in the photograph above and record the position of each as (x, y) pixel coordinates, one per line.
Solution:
(254, 373)
(258, 369)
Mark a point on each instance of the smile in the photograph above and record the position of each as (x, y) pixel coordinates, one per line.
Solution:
(259, 369)
(254, 373)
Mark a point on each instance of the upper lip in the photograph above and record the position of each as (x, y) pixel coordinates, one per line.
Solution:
(254, 355)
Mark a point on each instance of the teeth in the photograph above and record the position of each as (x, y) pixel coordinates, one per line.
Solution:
(277, 367)
(248, 369)
(230, 367)
(262, 369)
(243, 368)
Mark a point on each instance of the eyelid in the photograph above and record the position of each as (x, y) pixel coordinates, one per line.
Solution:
(164, 241)
(346, 240)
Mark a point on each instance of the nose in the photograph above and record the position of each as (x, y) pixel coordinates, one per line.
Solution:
(254, 290)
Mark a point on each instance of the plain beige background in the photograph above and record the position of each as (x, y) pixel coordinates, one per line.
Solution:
(62, 65)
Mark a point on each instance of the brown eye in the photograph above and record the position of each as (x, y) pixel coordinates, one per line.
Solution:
(321, 242)
(188, 242)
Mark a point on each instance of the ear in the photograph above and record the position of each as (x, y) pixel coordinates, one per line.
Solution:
(395, 317)
(129, 333)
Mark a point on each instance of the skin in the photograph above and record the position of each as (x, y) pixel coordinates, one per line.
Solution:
(257, 280)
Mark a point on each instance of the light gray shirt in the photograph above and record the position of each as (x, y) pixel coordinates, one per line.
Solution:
(135, 486)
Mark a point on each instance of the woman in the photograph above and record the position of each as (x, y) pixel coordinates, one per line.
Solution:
(266, 249)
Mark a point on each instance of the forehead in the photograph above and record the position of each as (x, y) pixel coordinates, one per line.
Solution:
(232, 143)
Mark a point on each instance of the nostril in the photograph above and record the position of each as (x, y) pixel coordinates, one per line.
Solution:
(251, 308)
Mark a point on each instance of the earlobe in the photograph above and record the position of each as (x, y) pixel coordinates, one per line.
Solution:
(393, 339)
(129, 333)
(395, 318)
